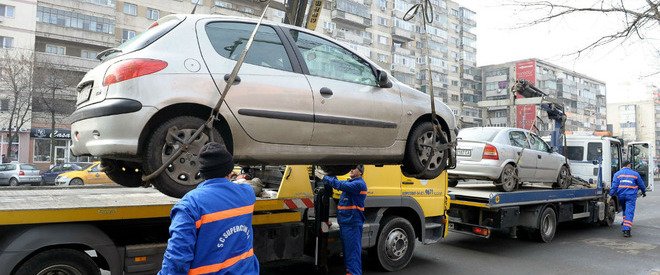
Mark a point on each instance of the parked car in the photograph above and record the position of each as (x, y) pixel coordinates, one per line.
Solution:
(48, 176)
(15, 174)
(91, 174)
(509, 157)
(299, 98)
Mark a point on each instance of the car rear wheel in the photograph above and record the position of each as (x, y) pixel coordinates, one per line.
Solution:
(563, 178)
(421, 152)
(13, 182)
(76, 181)
(508, 181)
(122, 173)
(182, 175)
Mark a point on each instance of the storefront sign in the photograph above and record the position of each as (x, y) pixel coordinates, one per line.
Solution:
(47, 133)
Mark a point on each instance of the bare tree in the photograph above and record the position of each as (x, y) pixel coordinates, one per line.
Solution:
(52, 97)
(17, 85)
(640, 19)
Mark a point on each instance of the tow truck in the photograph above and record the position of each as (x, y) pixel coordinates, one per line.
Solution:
(478, 210)
(125, 230)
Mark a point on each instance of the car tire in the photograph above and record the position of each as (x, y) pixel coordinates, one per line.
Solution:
(547, 225)
(59, 261)
(336, 170)
(563, 178)
(416, 157)
(395, 243)
(13, 182)
(181, 176)
(508, 180)
(452, 183)
(122, 173)
(76, 182)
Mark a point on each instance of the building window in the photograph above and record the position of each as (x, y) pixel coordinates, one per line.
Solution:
(454, 98)
(383, 21)
(153, 14)
(130, 9)
(88, 54)
(247, 10)
(127, 35)
(382, 40)
(42, 149)
(454, 83)
(55, 49)
(331, 26)
(197, 2)
(382, 58)
(222, 4)
(4, 104)
(6, 42)
(75, 20)
(7, 11)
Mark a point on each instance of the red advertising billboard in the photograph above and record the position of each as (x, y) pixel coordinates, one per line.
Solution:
(526, 114)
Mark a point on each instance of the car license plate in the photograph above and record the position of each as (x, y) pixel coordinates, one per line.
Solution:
(84, 94)
(451, 225)
(463, 152)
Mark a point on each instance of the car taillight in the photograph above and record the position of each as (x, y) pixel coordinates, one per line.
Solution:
(21, 173)
(490, 152)
(132, 68)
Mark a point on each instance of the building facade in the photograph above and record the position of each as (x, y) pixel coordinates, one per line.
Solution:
(583, 97)
(66, 36)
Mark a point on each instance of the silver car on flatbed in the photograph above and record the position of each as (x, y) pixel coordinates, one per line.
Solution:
(300, 98)
(508, 157)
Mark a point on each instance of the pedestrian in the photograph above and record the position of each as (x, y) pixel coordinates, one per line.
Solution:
(350, 215)
(625, 184)
(5, 159)
(211, 230)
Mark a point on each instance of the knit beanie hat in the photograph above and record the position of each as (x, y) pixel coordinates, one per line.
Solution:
(360, 168)
(215, 161)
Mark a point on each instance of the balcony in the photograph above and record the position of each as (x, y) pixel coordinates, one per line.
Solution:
(404, 52)
(402, 69)
(350, 19)
(71, 63)
(75, 35)
(402, 35)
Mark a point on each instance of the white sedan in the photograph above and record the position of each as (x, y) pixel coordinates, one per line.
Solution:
(508, 157)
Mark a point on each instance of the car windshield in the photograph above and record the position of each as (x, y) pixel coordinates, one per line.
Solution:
(87, 166)
(478, 134)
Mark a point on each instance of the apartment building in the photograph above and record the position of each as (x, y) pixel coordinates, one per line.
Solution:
(583, 97)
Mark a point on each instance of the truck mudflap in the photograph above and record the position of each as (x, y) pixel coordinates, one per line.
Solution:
(143, 258)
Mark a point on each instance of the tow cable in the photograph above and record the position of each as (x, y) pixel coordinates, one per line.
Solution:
(426, 8)
(208, 126)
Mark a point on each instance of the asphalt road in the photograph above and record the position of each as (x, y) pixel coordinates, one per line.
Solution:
(576, 249)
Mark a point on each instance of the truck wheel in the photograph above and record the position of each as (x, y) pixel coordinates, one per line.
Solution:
(610, 213)
(336, 170)
(13, 182)
(418, 153)
(396, 242)
(122, 173)
(563, 178)
(452, 183)
(59, 261)
(547, 225)
(508, 181)
(182, 175)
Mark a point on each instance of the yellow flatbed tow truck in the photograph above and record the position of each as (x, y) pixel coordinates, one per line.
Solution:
(125, 230)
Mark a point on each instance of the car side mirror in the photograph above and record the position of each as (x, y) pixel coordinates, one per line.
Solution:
(383, 80)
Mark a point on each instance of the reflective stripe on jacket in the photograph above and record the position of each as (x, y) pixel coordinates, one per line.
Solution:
(211, 231)
(626, 182)
(351, 202)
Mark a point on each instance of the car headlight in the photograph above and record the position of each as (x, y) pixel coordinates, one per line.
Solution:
(62, 179)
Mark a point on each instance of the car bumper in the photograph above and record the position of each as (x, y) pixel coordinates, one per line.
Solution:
(104, 133)
(484, 169)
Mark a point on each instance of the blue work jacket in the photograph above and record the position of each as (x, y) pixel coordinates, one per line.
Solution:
(211, 231)
(350, 210)
(626, 182)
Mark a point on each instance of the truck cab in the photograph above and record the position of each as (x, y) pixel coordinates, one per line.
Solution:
(583, 150)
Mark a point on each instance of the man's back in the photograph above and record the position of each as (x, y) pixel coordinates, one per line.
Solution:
(213, 223)
(626, 182)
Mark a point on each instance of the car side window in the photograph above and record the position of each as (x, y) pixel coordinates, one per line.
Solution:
(326, 59)
(94, 169)
(518, 139)
(10, 167)
(229, 39)
(538, 144)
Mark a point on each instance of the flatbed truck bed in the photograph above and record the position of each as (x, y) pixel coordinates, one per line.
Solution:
(479, 209)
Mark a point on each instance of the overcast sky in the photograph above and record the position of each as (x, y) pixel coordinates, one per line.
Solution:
(620, 66)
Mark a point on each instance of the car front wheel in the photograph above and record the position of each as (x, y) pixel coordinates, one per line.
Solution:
(182, 175)
(422, 160)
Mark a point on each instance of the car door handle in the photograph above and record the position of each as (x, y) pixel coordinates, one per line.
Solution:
(236, 80)
(538, 156)
(326, 91)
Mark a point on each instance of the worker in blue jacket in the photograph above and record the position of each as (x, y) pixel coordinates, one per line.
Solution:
(625, 184)
(350, 216)
(211, 230)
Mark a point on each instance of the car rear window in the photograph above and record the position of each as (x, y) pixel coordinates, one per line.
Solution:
(28, 167)
(574, 152)
(149, 36)
(478, 134)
